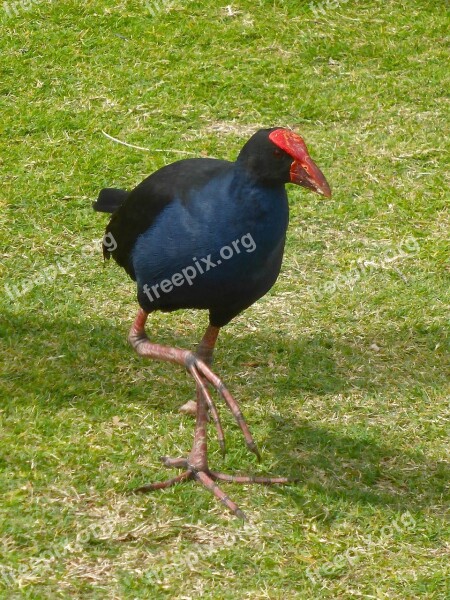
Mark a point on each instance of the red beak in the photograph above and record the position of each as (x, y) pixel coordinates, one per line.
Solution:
(308, 174)
(304, 171)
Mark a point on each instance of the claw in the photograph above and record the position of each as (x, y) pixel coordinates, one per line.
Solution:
(254, 448)
(208, 478)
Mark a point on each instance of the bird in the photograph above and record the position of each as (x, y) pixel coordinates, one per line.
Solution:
(204, 233)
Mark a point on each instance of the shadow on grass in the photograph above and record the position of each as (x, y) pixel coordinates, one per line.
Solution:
(355, 468)
(54, 362)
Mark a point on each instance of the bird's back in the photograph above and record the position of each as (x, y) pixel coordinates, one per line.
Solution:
(150, 198)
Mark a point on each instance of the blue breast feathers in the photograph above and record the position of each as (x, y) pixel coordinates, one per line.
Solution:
(224, 239)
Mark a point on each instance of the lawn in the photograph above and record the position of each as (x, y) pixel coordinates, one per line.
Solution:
(342, 370)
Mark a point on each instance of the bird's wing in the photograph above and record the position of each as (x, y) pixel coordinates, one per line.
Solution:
(149, 199)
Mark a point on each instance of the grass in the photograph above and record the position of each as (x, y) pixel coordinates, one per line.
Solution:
(345, 384)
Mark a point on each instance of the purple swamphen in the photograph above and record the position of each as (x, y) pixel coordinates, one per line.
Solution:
(209, 234)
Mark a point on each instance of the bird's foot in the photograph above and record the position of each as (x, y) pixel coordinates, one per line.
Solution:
(196, 465)
(208, 479)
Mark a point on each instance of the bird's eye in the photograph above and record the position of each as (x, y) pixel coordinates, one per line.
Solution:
(277, 152)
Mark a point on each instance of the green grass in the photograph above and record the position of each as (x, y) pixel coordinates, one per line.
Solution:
(344, 385)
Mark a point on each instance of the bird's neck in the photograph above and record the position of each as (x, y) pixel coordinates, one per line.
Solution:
(245, 177)
(257, 205)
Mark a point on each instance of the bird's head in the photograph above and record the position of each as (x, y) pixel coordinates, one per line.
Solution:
(278, 156)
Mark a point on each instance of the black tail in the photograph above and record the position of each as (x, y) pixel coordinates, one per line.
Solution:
(109, 200)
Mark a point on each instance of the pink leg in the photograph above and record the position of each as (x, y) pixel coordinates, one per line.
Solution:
(205, 352)
(196, 465)
(197, 368)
